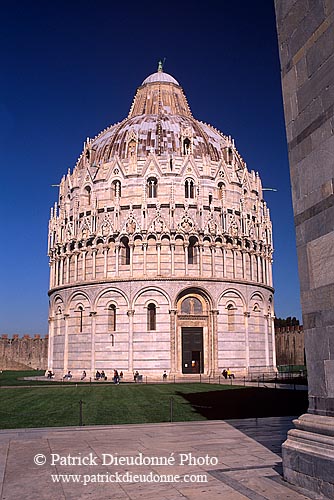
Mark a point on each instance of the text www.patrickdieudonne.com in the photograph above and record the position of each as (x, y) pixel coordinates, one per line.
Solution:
(128, 477)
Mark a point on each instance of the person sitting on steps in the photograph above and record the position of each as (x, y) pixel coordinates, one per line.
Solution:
(68, 375)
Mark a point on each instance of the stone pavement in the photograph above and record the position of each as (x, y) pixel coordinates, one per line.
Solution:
(211, 460)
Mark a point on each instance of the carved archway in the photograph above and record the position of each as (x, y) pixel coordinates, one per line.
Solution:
(193, 333)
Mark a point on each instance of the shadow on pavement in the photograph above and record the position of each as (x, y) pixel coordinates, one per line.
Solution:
(250, 402)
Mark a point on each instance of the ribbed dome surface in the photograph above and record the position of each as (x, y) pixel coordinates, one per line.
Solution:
(159, 121)
(160, 76)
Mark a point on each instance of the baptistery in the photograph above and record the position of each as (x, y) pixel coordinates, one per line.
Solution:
(160, 249)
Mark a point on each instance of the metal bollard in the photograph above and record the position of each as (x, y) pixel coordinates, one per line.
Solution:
(171, 409)
(80, 413)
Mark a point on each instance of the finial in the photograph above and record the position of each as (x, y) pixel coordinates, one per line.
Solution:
(161, 65)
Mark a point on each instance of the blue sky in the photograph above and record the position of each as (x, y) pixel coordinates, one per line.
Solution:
(70, 69)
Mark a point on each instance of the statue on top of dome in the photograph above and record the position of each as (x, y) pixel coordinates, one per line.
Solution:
(161, 65)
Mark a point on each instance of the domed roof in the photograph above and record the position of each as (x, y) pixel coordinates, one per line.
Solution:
(160, 76)
(160, 122)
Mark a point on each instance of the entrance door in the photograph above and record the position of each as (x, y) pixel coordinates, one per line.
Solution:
(192, 350)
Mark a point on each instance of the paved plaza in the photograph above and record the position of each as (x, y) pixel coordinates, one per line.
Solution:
(230, 460)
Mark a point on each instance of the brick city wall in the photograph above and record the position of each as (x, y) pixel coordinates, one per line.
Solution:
(289, 342)
(20, 353)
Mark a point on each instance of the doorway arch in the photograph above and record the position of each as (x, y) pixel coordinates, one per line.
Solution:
(193, 327)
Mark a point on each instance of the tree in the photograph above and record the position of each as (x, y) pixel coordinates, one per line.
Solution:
(283, 322)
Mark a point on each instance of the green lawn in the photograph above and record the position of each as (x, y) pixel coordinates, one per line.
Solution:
(137, 403)
(13, 377)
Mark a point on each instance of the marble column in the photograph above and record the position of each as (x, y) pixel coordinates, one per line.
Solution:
(76, 258)
(305, 36)
(84, 253)
(214, 363)
(172, 257)
(66, 316)
(68, 264)
(144, 258)
(105, 261)
(173, 358)
(131, 246)
(130, 351)
(94, 252)
(213, 259)
(50, 342)
(273, 341)
(158, 246)
(56, 262)
(52, 273)
(246, 316)
(185, 249)
(61, 271)
(266, 338)
(92, 353)
(117, 259)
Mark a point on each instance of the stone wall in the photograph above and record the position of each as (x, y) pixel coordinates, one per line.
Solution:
(305, 34)
(290, 345)
(306, 43)
(21, 353)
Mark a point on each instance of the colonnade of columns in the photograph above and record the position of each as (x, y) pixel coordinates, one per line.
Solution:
(208, 261)
(211, 334)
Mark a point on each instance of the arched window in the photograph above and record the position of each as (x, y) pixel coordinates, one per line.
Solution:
(221, 189)
(116, 189)
(152, 187)
(192, 251)
(229, 155)
(132, 146)
(88, 193)
(151, 317)
(81, 310)
(257, 317)
(189, 188)
(124, 252)
(186, 146)
(230, 317)
(112, 318)
(59, 315)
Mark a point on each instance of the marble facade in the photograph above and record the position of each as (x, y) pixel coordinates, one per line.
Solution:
(306, 42)
(161, 249)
